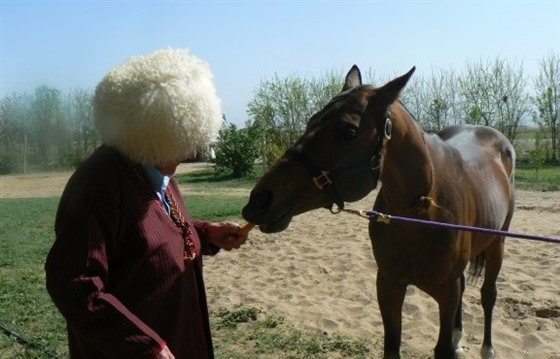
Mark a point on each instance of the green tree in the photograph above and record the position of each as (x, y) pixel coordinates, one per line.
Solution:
(538, 155)
(494, 94)
(49, 131)
(281, 107)
(437, 112)
(509, 97)
(547, 99)
(236, 150)
(433, 99)
(415, 98)
(475, 94)
(12, 132)
(79, 109)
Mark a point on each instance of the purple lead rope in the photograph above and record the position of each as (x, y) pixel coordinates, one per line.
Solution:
(385, 218)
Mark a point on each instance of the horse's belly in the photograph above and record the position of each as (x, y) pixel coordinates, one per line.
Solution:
(421, 260)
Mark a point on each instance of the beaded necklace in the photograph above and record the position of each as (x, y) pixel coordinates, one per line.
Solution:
(189, 253)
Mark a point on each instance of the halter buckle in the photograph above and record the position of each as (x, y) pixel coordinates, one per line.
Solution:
(321, 181)
(388, 127)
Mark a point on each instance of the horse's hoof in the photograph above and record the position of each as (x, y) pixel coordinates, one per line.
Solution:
(460, 354)
(457, 336)
(487, 352)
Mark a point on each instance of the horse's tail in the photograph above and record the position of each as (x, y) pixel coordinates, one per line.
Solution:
(476, 266)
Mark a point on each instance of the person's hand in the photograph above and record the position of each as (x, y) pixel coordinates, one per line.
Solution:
(226, 235)
(165, 353)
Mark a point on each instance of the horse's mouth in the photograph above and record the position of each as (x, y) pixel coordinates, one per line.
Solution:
(276, 226)
(270, 226)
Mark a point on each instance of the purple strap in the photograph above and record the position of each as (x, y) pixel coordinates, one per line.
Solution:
(385, 218)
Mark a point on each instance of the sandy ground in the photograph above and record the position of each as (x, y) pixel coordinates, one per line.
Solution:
(320, 274)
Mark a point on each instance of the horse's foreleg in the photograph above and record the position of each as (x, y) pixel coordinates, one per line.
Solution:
(458, 327)
(489, 293)
(390, 297)
(448, 297)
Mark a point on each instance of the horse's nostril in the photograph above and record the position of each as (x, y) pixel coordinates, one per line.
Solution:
(261, 199)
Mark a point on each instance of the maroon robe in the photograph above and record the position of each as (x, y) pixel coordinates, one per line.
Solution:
(116, 269)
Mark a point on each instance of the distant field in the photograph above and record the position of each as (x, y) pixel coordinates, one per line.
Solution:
(545, 179)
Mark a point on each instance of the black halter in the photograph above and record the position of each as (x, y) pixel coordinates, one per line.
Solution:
(324, 179)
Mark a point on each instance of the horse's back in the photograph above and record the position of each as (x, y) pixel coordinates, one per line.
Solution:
(478, 144)
(484, 160)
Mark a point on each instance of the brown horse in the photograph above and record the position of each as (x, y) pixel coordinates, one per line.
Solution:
(461, 175)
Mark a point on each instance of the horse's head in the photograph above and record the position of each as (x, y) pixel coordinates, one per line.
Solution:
(336, 160)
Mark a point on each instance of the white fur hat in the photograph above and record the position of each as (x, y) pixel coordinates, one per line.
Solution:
(158, 108)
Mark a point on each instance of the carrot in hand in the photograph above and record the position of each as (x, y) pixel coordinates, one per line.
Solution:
(246, 228)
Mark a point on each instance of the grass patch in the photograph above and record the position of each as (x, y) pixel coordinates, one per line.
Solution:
(28, 223)
(546, 180)
(215, 207)
(207, 179)
(268, 336)
(26, 308)
(26, 234)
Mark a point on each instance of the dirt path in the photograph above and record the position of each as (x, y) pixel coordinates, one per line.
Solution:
(51, 184)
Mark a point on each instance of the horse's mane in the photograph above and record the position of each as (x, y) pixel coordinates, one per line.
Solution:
(407, 110)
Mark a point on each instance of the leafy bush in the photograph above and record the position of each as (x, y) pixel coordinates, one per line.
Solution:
(538, 155)
(7, 164)
(71, 158)
(236, 150)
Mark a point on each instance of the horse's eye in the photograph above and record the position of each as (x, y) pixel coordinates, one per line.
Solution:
(349, 132)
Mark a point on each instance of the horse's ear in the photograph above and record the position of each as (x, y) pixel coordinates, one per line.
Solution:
(391, 90)
(353, 78)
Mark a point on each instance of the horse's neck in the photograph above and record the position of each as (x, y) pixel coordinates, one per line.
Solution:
(407, 168)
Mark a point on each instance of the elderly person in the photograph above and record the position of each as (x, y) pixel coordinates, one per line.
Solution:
(125, 270)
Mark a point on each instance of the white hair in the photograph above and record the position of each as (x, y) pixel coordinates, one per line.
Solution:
(158, 108)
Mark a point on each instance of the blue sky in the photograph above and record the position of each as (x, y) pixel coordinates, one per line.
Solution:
(66, 44)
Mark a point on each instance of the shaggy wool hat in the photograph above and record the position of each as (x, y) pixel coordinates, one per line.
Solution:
(158, 108)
